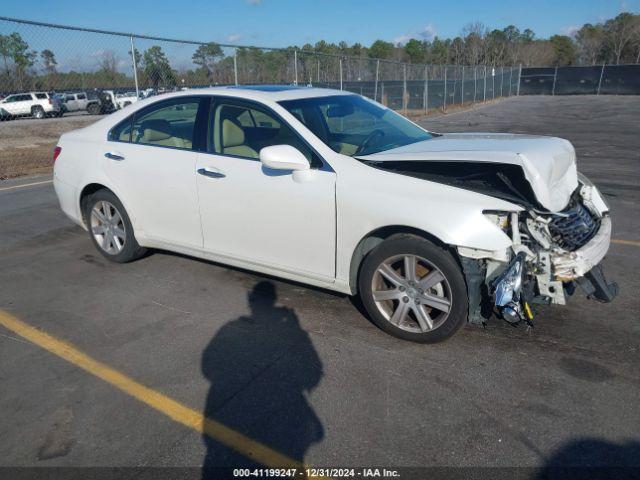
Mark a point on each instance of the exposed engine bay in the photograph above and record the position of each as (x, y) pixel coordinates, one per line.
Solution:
(552, 254)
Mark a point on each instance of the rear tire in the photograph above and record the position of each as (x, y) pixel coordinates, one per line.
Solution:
(109, 227)
(38, 112)
(413, 289)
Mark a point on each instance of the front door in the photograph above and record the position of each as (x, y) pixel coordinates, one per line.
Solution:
(255, 214)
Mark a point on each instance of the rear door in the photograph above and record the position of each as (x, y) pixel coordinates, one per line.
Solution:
(70, 102)
(81, 99)
(263, 216)
(151, 157)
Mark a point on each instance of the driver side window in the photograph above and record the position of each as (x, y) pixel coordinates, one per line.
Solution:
(242, 130)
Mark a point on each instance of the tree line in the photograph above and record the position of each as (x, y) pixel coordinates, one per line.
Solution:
(614, 41)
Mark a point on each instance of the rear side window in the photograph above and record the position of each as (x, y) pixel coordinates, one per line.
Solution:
(81, 96)
(168, 124)
(41, 96)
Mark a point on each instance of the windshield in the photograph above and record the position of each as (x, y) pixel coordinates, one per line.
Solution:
(353, 125)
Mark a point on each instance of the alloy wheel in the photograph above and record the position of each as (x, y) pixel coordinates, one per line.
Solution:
(107, 227)
(411, 293)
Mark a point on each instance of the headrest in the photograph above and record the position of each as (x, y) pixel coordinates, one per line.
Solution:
(156, 130)
(232, 134)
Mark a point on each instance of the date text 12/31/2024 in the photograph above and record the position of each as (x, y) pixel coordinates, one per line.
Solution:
(316, 473)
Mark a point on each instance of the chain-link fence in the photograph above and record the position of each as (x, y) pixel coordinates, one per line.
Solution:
(589, 80)
(79, 71)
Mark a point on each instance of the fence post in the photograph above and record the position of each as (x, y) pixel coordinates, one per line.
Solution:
(425, 100)
(501, 81)
(404, 88)
(475, 82)
(519, 79)
(135, 67)
(295, 67)
(375, 88)
(510, 79)
(493, 83)
(340, 73)
(235, 65)
(462, 87)
(600, 81)
(484, 94)
(444, 97)
(555, 75)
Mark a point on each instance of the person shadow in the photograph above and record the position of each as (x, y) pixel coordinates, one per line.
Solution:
(261, 368)
(593, 459)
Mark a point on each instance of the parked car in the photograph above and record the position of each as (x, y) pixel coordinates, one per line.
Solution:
(334, 190)
(101, 102)
(126, 99)
(35, 104)
(107, 101)
(75, 102)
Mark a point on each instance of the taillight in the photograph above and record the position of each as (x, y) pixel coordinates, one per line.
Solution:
(50, 102)
(56, 153)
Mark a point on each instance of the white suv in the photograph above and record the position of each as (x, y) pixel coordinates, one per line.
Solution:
(36, 104)
(331, 189)
(75, 102)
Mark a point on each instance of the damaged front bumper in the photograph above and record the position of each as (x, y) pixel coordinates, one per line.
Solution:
(572, 265)
(539, 267)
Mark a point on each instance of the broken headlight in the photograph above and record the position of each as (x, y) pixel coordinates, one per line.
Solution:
(500, 219)
(507, 286)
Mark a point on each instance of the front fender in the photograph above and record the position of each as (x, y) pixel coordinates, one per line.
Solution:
(452, 215)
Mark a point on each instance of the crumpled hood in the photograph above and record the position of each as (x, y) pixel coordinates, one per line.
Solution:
(548, 163)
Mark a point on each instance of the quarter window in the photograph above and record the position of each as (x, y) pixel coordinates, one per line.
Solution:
(241, 130)
(121, 132)
(41, 96)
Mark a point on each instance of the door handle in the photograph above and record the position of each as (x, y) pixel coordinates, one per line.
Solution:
(114, 156)
(211, 172)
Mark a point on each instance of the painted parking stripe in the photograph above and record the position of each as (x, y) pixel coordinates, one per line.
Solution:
(171, 408)
(626, 242)
(25, 185)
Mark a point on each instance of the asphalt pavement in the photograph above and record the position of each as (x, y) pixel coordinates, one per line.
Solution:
(300, 370)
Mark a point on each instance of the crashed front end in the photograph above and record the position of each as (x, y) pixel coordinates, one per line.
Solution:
(551, 255)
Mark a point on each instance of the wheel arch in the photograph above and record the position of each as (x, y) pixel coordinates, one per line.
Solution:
(92, 188)
(379, 235)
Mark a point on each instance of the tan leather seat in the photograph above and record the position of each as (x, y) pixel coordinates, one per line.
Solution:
(158, 132)
(233, 139)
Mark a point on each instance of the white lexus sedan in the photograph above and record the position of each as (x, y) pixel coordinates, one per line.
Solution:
(331, 189)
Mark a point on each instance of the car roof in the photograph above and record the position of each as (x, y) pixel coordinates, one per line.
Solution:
(274, 93)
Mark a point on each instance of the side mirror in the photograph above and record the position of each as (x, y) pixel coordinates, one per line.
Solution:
(283, 157)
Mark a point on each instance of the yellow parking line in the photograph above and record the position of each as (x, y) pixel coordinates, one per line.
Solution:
(169, 407)
(26, 185)
(626, 242)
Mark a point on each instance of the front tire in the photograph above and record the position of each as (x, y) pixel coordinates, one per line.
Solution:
(413, 289)
(93, 109)
(109, 227)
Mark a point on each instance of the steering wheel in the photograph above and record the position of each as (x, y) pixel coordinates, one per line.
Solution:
(373, 135)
